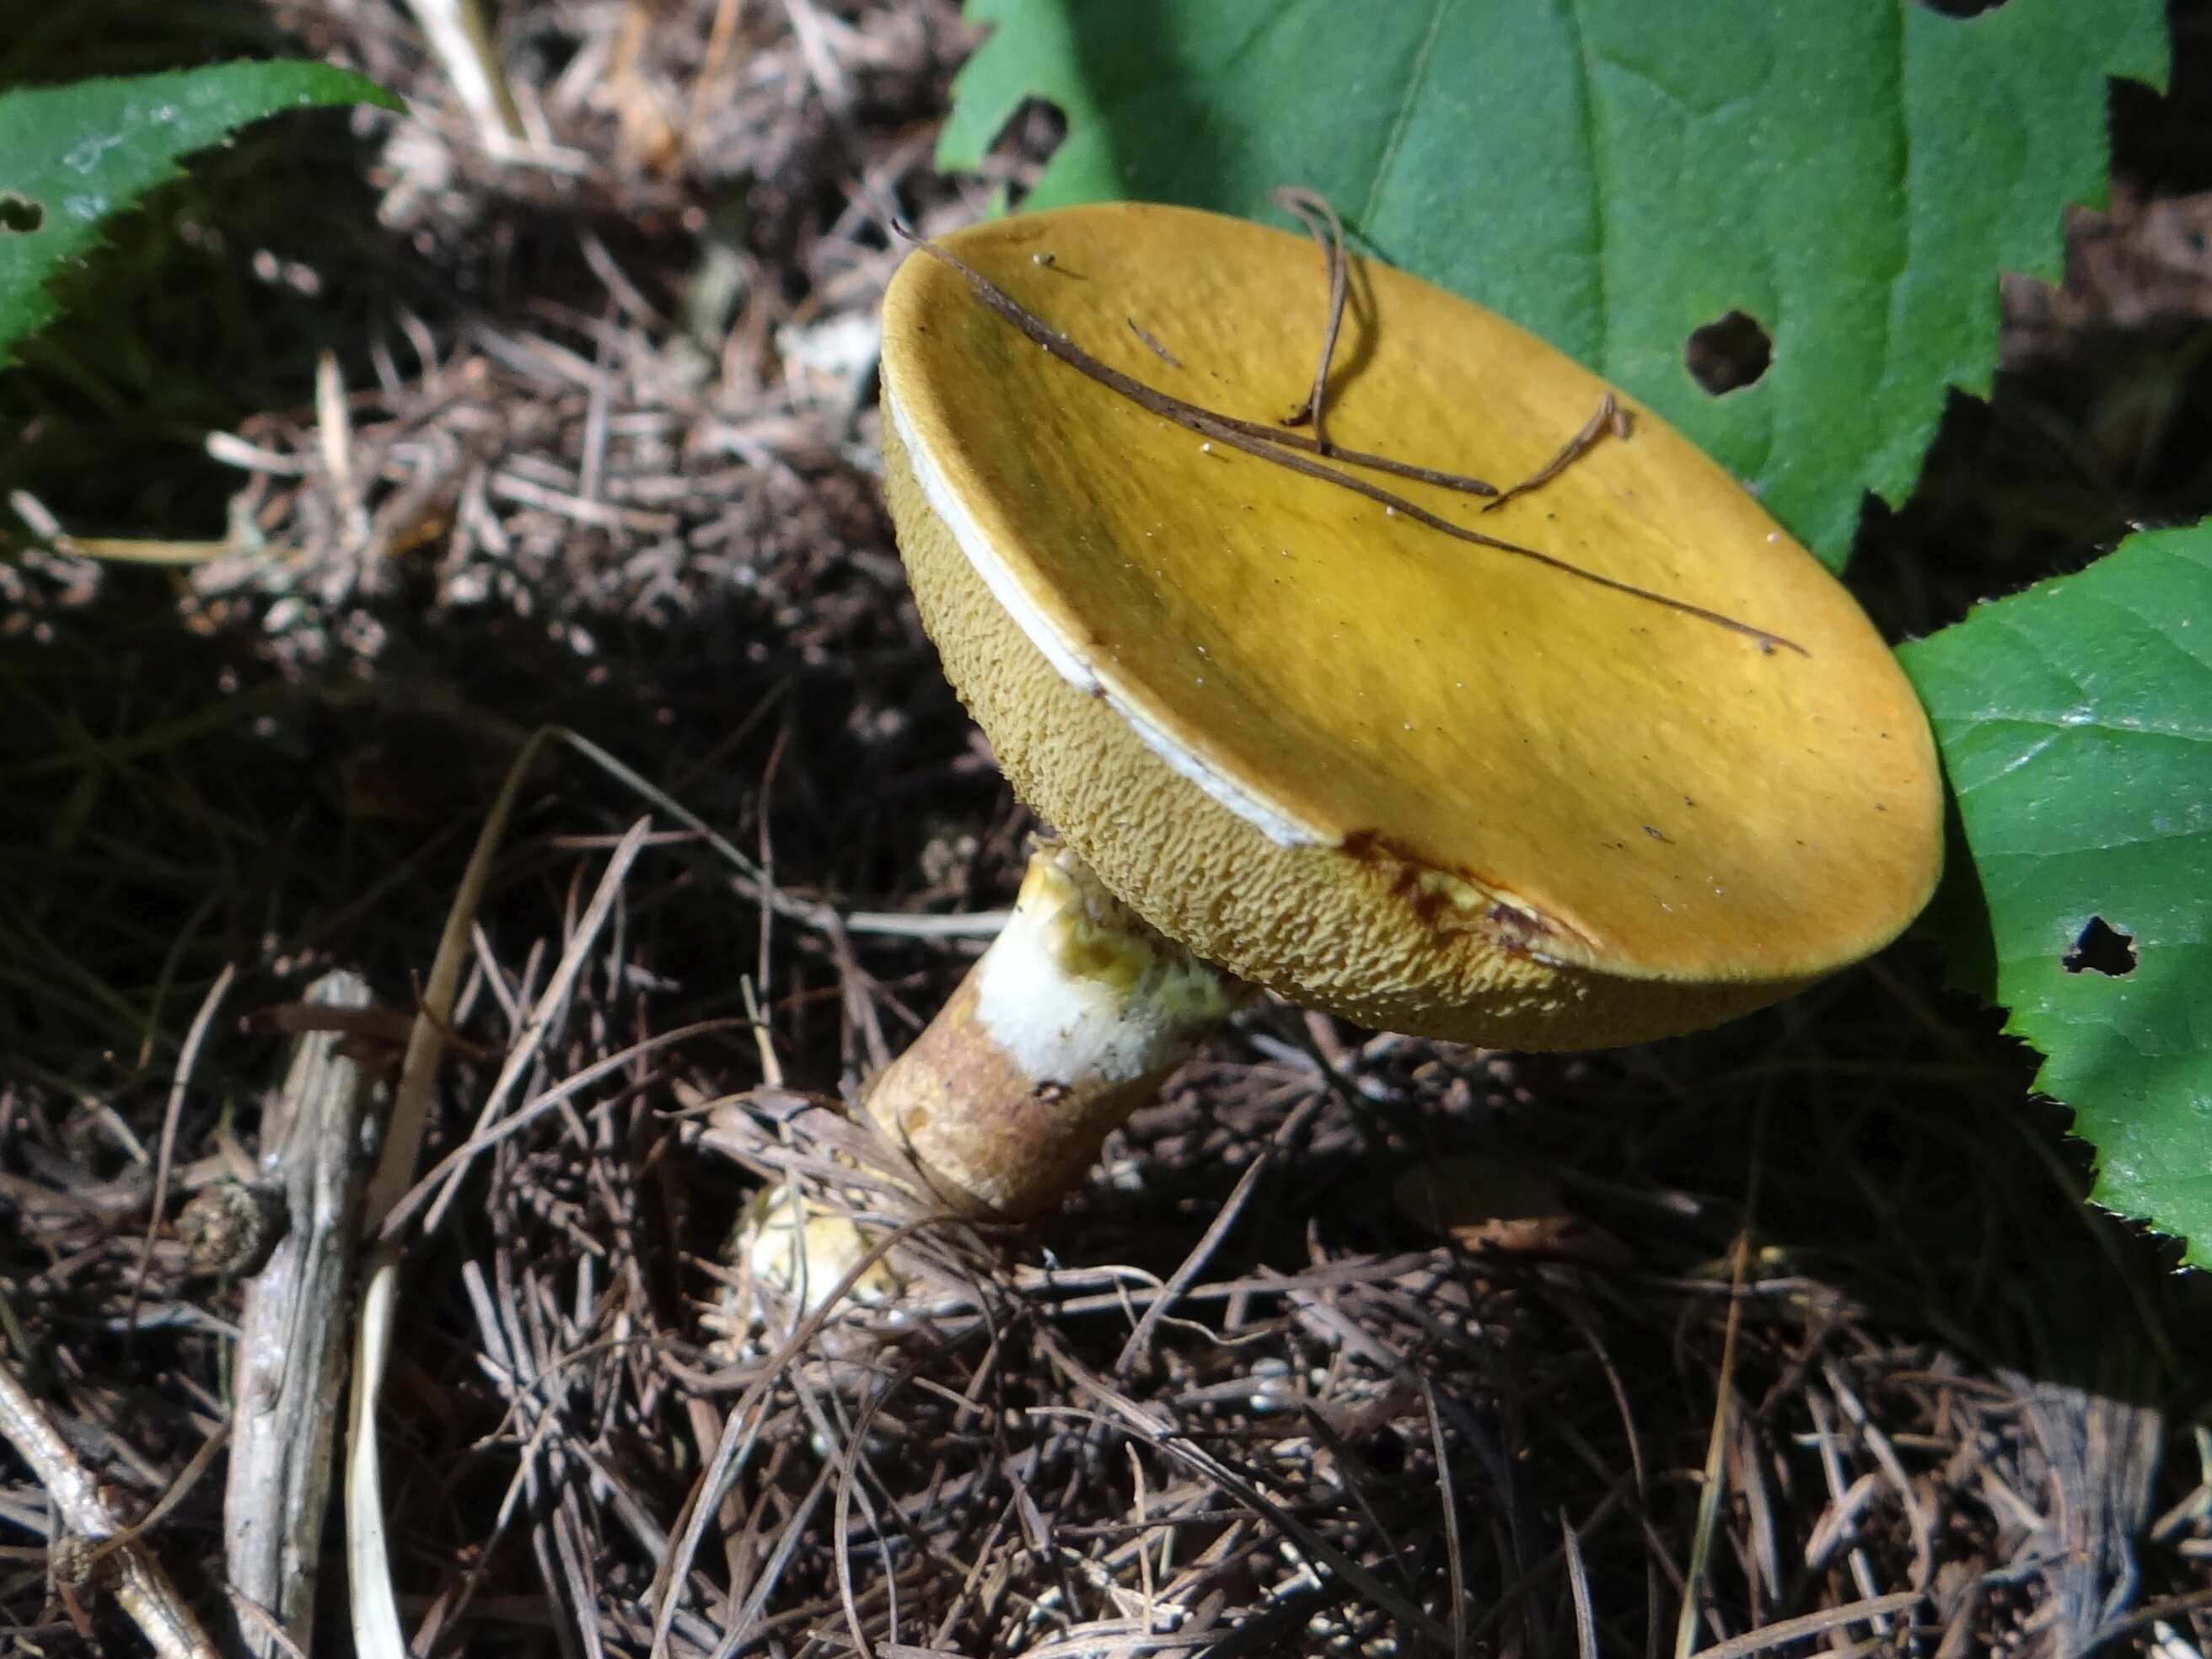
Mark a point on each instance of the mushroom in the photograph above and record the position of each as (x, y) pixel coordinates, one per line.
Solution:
(1624, 762)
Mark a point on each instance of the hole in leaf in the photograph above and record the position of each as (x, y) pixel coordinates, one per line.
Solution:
(1961, 7)
(2101, 949)
(19, 215)
(1036, 130)
(1728, 354)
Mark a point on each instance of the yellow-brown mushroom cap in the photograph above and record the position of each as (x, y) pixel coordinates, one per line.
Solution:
(1437, 788)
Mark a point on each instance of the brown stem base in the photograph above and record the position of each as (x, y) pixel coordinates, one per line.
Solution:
(1066, 1025)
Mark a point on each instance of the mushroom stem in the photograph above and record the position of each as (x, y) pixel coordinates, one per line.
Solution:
(1067, 1024)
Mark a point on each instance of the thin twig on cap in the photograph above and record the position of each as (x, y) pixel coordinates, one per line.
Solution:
(1610, 420)
(1283, 449)
(1313, 209)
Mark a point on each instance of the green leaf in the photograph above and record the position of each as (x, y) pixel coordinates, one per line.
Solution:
(71, 156)
(2075, 721)
(1615, 173)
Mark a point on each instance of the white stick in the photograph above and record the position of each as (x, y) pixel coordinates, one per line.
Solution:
(142, 1588)
(461, 41)
(290, 1370)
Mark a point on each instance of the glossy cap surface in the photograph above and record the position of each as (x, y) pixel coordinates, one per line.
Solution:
(1437, 788)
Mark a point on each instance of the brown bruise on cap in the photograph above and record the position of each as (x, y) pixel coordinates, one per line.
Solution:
(1534, 812)
(1449, 902)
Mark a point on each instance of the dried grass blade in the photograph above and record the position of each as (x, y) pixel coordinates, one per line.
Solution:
(187, 1058)
(1578, 1587)
(523, 1052)
(374, 1608)
(1709, 1494)
(1810, 1623)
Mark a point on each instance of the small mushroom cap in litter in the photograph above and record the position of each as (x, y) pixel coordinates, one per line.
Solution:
(1436, 787)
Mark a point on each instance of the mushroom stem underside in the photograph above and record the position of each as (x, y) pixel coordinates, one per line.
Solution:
(1067, 1024)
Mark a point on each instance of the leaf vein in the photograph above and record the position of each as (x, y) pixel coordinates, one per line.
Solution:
(1586, 91)
(1402, 117)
